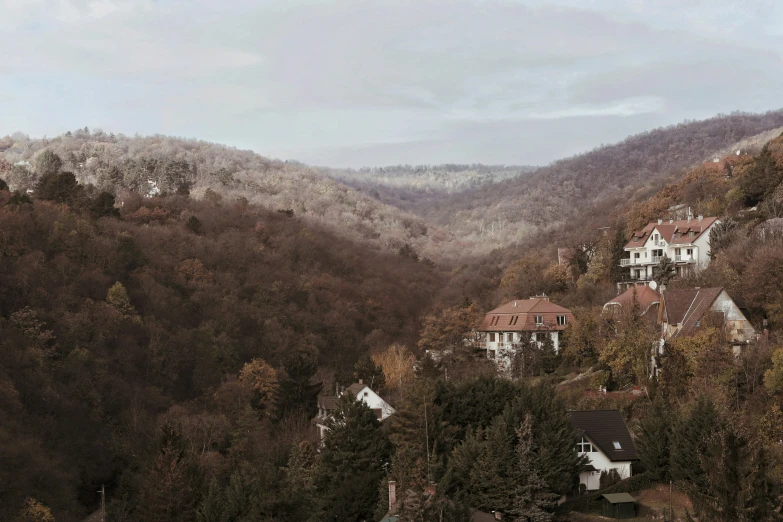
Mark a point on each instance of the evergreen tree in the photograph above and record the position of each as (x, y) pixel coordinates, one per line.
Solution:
(531, 497)
(555, 459)
(654, 439)
(3, 185)
(296, 391)
(48, 163)
(212, 506)
(689, 442)
(369, 373)
(61, 187)
(664, 271)
(353, 460)
(491, 478)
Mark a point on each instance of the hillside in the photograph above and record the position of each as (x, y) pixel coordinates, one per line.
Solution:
(406, 186)
(447, 213)
(118, 164)
(108, 322)
(556, 194)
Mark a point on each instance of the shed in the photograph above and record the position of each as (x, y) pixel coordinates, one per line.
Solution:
(618, 505)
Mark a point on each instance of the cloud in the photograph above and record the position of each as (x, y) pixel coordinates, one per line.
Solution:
(429, 80)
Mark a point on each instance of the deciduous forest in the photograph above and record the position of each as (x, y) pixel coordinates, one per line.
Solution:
(170, 310)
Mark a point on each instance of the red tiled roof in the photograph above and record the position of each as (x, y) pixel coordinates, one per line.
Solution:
(674, 232)
(687, 307)
(520, 315)
(645, 296)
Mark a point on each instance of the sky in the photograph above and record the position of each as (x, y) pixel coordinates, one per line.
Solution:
(350, 83)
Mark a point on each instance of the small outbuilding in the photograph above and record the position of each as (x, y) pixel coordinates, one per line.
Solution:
(618, 505)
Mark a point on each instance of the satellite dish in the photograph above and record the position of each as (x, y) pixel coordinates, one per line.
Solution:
(653, 285)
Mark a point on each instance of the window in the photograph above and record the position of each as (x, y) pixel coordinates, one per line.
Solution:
(492, 337)
(645, 254)
(366, 394)
(509, 337)
(539, 320)
(691, 233)
(656, 237)
(636, 255)
(689, 251)
(561, 320)
(584, 446)
(617, 445)
(698, 323)
(677, 251)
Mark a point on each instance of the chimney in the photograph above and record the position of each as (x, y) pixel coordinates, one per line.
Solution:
(700, 218)
(498, 515)
(660, 222)
(671, 221)
(392, 495)
(361, 381)
(515, 304)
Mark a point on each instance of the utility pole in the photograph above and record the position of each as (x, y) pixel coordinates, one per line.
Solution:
(103, 503)
(671, 515)
(427, 435)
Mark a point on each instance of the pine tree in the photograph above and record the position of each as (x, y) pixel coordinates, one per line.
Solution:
(490, 482)
(296, 392)
(690, 438)
(212, 506)
(369, 373)
(353, 460)
(531, 497)
(654, 439)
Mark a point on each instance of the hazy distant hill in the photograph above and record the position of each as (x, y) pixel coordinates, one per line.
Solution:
(405, 186)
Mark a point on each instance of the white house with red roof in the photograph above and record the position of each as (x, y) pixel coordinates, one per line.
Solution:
(504, 327)
(686, 242)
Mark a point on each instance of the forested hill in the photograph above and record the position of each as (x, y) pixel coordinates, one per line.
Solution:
(447, 213)
(407, 186)
(556, 194)
(121, 164)
(112, 323)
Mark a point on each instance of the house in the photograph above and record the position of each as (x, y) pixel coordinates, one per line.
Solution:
(686, 242)
(603, 436)
(684, 312)
(503, 328)
(647, 298)
(360, 391)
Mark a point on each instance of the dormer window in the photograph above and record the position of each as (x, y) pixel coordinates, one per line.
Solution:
(539, 320)
(584, 446)
(617, 445)
(561, 320)
(655, 238)
(691, 233)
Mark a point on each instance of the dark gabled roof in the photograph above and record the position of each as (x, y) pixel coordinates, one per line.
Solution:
(688, 307)
(355, 388)
(618, 498)
(604, 428)
(327, 402)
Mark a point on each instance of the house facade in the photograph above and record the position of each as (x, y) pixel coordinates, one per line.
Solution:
(686, 242)
(683, 312)
(603, 437)
(505, 327)
(361, 392)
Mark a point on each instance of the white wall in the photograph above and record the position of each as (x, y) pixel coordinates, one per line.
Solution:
(602, 463)
(374, 401)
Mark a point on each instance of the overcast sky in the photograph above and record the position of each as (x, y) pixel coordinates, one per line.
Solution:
(375, 82)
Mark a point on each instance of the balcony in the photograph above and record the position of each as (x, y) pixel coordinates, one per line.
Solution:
(684, 259)
(659, 243)
(655, 259)
(626, 262)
